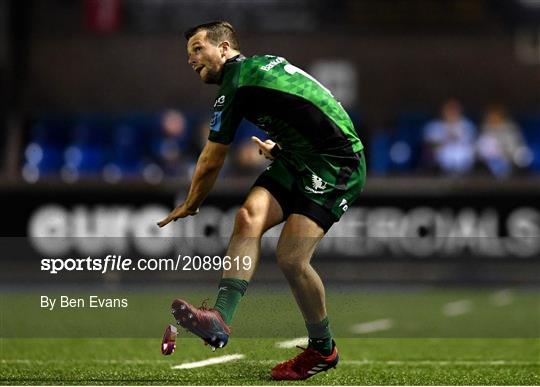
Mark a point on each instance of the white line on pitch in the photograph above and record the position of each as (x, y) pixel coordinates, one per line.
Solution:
(372, 326)
(457, 308)
(302, 341)
(207, 362)
(502, 297)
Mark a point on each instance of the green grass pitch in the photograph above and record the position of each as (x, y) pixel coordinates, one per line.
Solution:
(364, 362)
(488, 343)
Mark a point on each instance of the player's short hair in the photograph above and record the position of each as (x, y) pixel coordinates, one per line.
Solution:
(217, 32)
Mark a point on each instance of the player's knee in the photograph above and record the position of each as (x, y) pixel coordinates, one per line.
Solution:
(289, 266)
(247, 223)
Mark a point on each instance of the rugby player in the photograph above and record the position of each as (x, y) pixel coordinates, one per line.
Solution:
(317, 172)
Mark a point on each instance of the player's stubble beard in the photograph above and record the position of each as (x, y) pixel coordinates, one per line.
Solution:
(212, 77)
(213, 70)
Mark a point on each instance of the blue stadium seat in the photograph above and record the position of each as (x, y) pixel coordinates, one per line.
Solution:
(379, 151)
(128, 149)
(90, 144)
(406, 147)
(46, 142)
(530, 126)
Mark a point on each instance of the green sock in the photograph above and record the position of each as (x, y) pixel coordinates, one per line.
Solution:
(230, 292)
(320, 337)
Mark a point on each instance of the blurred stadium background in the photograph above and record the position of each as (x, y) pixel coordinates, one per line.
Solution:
(102, 121)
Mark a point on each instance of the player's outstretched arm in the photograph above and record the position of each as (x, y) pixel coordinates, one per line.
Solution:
(206, 172)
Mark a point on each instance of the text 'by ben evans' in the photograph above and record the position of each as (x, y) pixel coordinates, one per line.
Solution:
(50, 303)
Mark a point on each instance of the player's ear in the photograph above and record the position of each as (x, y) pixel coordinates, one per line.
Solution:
(224, 47)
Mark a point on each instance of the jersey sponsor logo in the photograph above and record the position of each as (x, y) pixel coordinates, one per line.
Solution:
(318, 185)
(215, 123)
(272, 64)
(220, 101)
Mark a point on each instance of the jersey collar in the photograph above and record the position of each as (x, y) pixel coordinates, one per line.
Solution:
(234, 59)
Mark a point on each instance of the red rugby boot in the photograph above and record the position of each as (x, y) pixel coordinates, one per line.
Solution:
(306, 364)
(203, 322)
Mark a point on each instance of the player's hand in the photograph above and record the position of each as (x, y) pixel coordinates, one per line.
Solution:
(265, 148)
(180, 211)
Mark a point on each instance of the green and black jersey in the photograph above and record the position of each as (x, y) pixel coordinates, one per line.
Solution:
(296, 111)
(315, 134)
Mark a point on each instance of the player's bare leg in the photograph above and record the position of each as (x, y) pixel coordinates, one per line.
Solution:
(260, 212)
(296, 245)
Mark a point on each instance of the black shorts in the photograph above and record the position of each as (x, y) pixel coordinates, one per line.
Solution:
(322, 194)
(293, 202)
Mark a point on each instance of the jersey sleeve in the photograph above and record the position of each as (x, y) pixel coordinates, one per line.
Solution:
(227, 112)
